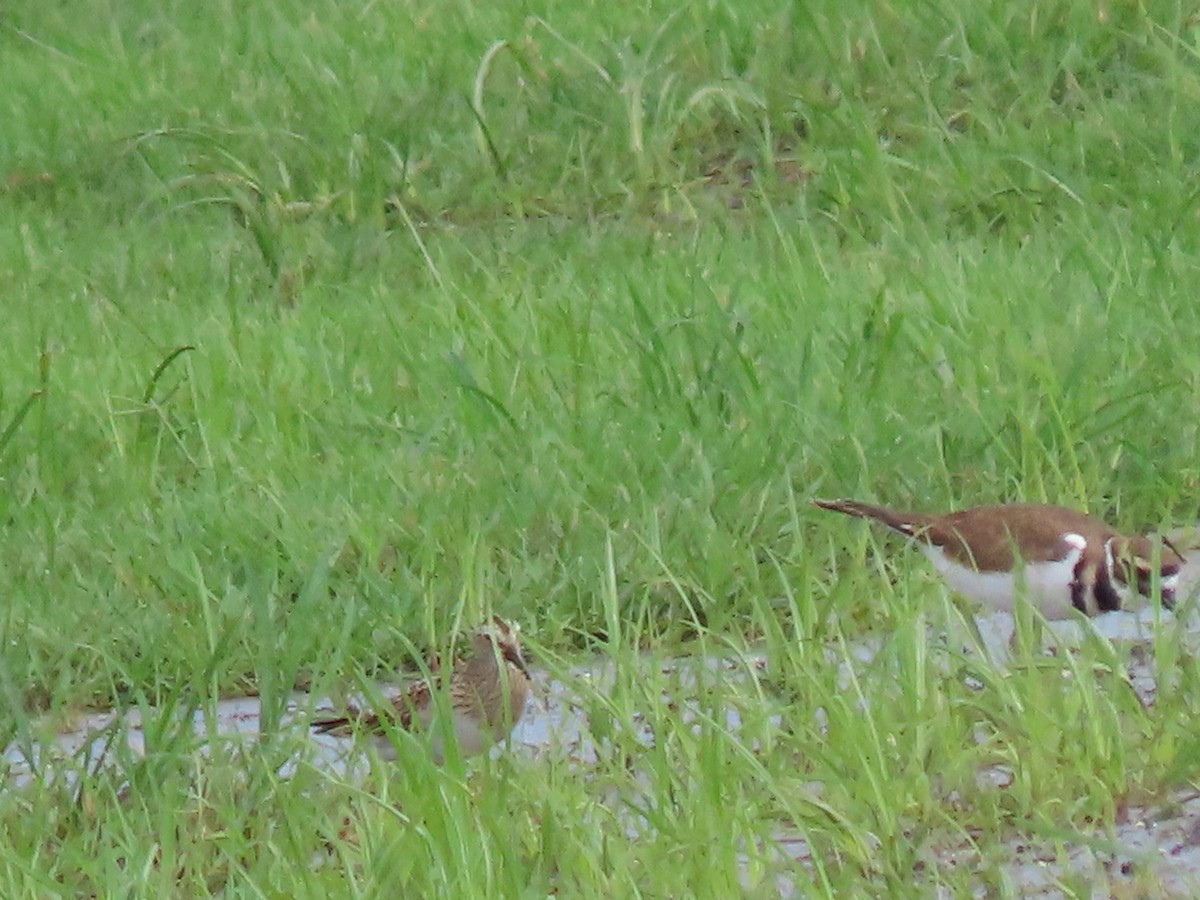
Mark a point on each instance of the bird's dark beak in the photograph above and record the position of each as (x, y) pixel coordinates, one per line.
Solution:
(514, 656)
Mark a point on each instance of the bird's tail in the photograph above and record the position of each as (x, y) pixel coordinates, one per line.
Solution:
(903, 522)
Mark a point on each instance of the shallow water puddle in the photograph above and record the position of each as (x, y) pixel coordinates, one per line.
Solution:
(556, 724)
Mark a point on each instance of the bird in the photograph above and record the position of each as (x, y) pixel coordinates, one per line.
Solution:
(488, 688)
(1061, 560)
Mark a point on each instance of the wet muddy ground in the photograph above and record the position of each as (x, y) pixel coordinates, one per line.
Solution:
(1158, 846)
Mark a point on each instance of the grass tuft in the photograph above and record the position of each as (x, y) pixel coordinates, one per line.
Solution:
(566, 320)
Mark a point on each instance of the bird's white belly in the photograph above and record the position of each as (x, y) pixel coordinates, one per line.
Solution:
(470, 737)
(1047, 585)
(470, 734)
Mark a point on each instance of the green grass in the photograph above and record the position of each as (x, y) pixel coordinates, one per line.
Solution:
(327, 328)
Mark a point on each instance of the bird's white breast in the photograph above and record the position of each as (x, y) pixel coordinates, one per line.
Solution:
(471, 738)
(1047, 585)
(469, 733)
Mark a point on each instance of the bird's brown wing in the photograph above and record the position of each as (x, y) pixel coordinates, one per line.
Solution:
(1003, 532)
